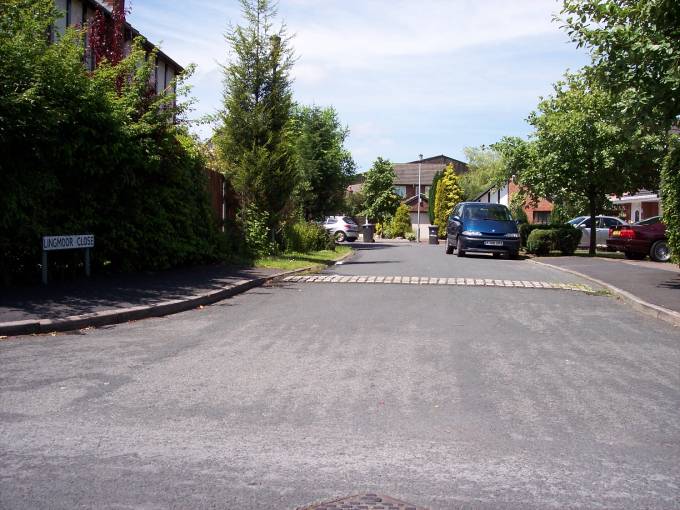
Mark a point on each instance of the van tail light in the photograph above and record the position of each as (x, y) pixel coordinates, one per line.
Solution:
(627, 233)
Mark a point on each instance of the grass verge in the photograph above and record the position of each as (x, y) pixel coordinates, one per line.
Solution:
(292, 260)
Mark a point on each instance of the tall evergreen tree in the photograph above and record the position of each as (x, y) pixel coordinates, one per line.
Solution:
(253, 136)
(326, 167)
(449, 193)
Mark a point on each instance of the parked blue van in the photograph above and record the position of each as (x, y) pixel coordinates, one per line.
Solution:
(482, 228)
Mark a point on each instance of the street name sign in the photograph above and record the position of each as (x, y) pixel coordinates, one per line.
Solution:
(67, 242)
(75, 242)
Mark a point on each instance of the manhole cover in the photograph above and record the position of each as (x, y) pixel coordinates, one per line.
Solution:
(364, 502)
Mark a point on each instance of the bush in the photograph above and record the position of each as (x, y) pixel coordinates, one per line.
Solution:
(526, 228)
(567, 239)
(670, 193)
(93, 153)
(540, 242)
(410, 236)
(305, 237)
(401, 222)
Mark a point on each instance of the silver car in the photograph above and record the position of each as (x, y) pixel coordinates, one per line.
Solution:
(342, 228)
(604, 223)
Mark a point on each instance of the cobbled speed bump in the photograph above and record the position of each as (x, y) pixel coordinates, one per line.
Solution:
(363, 502)
(425, 280)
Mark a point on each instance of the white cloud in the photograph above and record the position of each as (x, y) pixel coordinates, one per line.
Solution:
(406, 76)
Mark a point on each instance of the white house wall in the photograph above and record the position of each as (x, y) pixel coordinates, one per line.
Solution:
(495, 196)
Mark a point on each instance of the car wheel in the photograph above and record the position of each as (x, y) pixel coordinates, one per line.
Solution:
(340, 236)
(660, 252)
(351, 239)
(449, 248)
(631, 255)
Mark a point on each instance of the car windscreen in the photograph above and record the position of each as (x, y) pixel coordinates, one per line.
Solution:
(487, 212)
(650, 221)
(576, 221)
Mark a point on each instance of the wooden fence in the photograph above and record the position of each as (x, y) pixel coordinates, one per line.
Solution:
(223, 199)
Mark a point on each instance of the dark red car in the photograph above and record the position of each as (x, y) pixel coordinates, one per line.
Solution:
(647, 237)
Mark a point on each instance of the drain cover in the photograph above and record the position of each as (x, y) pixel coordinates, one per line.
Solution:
(364, 502)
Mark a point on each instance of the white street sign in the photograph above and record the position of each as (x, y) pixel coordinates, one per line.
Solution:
(67, 242)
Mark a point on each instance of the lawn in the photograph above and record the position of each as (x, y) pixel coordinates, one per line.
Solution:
(293, 260)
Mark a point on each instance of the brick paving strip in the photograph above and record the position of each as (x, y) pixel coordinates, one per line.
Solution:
(426, 280)
(364, 502)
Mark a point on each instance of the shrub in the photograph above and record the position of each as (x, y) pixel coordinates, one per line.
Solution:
(541, 241)
(567, 239)
(257, 235)
(99, 149)
(526, 228)
(305, 237)
(670, 193)
(410, 236)
(401, 222)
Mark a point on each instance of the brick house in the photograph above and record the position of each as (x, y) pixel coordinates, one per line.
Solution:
(406, 182)
(536, 212)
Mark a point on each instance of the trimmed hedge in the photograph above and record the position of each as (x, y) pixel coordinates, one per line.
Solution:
(567, 239)
(526, 228)
(542, 241)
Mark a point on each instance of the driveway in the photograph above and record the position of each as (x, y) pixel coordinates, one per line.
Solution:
(654, 282)
(442, 396)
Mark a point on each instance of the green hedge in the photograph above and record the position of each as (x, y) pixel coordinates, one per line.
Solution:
(92, 153)
(542, 241)
(306, 237)
(526, 228)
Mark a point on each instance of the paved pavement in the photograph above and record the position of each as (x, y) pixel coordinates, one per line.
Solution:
(293, 394)
(652, 282)
(64, 299)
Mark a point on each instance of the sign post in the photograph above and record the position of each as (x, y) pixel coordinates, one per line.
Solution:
(73, 242)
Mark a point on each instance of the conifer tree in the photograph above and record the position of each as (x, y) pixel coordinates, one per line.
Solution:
(448, 194)
(253, 137)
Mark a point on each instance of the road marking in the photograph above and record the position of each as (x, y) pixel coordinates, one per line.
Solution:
(427, 280)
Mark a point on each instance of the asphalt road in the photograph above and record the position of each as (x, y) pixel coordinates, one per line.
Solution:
(447, 397)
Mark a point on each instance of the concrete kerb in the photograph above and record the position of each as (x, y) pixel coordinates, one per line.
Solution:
(117, 316)
(655, 311)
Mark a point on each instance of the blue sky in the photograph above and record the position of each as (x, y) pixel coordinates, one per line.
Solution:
(406, 76)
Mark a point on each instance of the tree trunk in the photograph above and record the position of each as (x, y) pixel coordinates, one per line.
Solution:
(593, 226)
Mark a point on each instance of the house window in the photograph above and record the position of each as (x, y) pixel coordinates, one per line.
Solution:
(541, 217)
(400, 190)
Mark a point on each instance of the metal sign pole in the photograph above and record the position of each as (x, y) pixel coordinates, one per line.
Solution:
(44, 267)
(87, 262)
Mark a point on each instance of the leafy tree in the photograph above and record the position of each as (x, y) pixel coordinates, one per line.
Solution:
(325, 166)
(380, 199)
(583, 153)
(432, 195)
(254, 136)
(449, 193)
(401, 222)
(635, 48)
(487, 169)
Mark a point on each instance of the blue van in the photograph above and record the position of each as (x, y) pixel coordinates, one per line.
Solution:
(482, 228)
